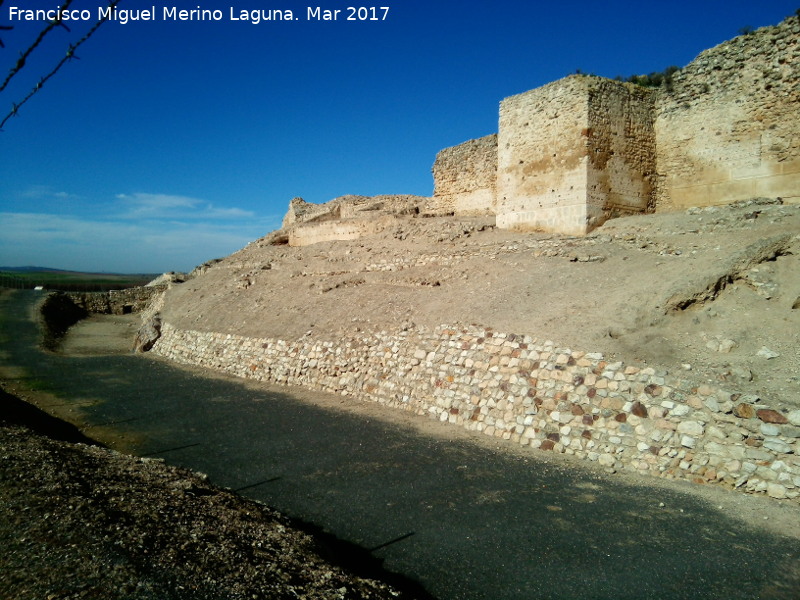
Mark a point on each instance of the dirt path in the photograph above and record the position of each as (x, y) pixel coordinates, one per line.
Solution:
(101, 334)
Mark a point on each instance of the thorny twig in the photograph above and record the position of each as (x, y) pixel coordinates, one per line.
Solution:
(70, 55)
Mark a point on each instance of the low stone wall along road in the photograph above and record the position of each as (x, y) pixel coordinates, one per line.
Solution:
(467, 516)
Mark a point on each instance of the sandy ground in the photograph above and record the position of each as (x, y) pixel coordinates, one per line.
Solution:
(713, 293)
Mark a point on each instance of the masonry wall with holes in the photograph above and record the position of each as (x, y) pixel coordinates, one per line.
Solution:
(577, 151)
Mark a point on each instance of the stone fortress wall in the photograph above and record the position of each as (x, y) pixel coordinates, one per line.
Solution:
(729, 129)
(583, 149)
(344, 218)
(621, 150)
(572, 154)
(541, 168)
(327, 231)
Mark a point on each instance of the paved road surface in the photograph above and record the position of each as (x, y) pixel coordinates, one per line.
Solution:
(466, 521)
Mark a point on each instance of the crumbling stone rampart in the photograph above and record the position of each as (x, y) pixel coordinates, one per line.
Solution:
(344, 229)
(346, 217)
(535, 394)
(465, 179)
(728, 128)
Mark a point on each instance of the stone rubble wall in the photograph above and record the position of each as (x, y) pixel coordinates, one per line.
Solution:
(346, 217)
(534, 394)
(465, 179)
(353, 207)
(117, 302)
(345, 229)
(728, 129)
(301, 211)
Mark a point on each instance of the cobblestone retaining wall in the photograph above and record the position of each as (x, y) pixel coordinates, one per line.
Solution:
(535, 394)
(116, 302)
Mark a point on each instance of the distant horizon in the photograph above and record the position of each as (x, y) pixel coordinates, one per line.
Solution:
(174, 142)
(42, 269)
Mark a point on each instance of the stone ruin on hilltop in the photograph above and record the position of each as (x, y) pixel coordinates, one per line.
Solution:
(572, 154)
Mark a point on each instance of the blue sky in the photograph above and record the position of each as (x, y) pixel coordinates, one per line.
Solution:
(170, 143)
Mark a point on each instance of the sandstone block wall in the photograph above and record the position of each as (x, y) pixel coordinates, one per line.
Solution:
(622, 150)
(573, 153)
(535, 394)
(542, 158)
(465, 179)
(729, 128)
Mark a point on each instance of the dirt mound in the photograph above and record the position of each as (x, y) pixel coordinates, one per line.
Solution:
(712, 293)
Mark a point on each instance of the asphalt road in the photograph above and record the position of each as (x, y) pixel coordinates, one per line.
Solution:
(462, 519)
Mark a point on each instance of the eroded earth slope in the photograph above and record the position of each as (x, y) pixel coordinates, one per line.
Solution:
(713, 293)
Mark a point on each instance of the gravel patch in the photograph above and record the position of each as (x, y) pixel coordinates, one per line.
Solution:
(82, 521)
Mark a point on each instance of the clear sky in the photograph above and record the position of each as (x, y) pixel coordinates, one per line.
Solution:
(169, 143)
